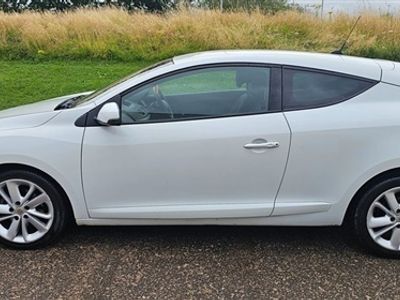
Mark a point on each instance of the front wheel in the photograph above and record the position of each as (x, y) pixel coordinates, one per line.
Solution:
(32, 211)
(377, 218)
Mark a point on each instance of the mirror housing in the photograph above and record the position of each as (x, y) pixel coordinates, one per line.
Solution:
(109, 114)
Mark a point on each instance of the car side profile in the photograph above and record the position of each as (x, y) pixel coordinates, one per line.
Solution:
(240, 137)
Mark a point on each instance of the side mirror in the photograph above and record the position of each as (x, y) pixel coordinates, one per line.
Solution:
(109, 114)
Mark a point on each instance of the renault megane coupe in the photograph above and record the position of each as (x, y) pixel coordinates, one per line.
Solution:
(222, 138)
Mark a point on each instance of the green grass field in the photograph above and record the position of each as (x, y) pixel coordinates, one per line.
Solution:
(24, 82)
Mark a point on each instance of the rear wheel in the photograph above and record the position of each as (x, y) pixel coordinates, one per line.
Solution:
(377, 218)
(32, 211)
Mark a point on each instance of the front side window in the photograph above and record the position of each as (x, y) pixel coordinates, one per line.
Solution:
(308, 89)
(200, 93)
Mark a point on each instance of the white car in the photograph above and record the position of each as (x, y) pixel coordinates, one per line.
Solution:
(223, 137)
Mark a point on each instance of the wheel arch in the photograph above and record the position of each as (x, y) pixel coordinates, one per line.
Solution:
(22, 167)
(364, 188)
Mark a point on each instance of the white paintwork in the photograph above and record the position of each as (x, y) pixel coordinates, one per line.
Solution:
(197, 172)
(391, 72)
(108, 113)
(32, 115)
(190, 164)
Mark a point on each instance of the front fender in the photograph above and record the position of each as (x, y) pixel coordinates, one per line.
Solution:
(53, 148)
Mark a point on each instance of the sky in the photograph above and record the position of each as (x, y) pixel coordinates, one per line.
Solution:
(352, 6)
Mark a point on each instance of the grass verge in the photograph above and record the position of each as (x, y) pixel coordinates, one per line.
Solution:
(119, 35)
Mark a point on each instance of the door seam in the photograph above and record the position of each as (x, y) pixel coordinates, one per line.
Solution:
(286, 164)
(81, 171)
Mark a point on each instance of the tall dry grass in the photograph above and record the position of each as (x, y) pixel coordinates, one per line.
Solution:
(117, 34)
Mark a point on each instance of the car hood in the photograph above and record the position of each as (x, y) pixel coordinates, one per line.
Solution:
(32, 115)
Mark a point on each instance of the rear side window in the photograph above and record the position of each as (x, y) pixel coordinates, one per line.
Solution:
(309, 89)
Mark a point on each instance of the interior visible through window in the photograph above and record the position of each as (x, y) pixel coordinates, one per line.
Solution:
(200, 93)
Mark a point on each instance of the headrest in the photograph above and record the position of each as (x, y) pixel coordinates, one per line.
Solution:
(251, 75)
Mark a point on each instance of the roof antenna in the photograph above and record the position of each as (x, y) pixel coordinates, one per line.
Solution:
(340, 50)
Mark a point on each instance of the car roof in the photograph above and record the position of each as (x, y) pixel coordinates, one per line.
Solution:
(357, 66)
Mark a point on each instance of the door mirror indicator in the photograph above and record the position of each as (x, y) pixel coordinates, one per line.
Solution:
(108, 115)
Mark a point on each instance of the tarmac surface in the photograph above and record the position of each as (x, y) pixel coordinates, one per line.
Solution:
(199, 263)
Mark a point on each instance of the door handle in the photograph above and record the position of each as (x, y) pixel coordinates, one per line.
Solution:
(266, 145)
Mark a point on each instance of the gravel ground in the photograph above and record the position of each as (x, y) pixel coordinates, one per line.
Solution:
(199, 263)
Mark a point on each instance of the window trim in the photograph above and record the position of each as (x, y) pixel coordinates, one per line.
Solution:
(320, 71)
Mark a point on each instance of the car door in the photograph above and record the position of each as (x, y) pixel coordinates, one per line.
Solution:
(207, 142)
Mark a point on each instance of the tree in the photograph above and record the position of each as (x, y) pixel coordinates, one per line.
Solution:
(148, 5)
(61, 5)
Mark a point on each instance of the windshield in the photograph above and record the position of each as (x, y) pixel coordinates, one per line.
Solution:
(87, 98)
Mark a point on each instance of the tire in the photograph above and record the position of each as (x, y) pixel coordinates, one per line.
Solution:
(376, 220)
(42, 213)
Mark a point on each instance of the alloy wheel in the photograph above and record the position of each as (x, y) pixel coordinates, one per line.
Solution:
(383, 219)
(26, 211)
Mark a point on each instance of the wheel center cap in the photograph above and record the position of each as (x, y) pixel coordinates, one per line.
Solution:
(19, 211)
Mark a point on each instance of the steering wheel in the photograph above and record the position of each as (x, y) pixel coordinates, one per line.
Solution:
(134, 112)
(140, 110)
(160, 104)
